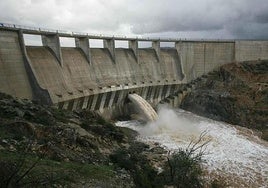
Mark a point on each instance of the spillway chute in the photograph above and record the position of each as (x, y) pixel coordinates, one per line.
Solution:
(143, 107)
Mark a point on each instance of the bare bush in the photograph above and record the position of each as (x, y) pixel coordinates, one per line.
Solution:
(183, 167)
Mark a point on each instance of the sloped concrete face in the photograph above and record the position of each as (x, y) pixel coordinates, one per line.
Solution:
(13, 76)
(78, 78)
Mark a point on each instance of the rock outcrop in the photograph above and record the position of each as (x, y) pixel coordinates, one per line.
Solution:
(73, 149)
(237, 93)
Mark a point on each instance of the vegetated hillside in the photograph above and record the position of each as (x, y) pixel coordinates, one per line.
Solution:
(41, 146)
(61, 148)
(237, 94)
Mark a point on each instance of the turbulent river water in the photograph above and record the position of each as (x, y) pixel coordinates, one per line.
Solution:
(234, 154)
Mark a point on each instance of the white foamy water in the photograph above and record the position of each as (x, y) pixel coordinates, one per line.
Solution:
(241, 159)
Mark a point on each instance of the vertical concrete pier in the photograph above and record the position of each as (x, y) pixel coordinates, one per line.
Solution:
(178, 47)
(109, 44)
(181, 65)
(53, 42)
(156, 47)
(83, 44)
(133, 45)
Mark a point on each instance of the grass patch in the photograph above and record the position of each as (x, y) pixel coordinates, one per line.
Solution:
(98, 172)
(62, 173)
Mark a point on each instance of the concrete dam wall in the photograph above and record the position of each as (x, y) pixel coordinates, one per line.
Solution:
(100, 79)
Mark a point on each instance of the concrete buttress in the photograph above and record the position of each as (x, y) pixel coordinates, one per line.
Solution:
(110, 45)
(133, 45)
(156, 47)
(83, 44)
(53, 42)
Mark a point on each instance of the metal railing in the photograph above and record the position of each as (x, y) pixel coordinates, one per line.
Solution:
(36, 30)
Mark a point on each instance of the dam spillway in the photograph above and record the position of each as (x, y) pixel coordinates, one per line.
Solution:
(100, 79)
(143, 107)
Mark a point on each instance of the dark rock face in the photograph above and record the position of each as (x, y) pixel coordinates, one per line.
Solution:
(209, 103)
(61, 135)
(78, 143)
(237, 94)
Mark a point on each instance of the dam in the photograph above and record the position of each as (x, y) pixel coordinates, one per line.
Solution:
(100, 79)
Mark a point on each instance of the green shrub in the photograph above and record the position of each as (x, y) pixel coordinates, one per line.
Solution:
(183, 167)
(93, 122)
(218, 183)
(122, 158)
(133, 160)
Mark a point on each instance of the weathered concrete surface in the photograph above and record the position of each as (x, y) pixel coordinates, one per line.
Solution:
(251, 50)
(77, 76)
(13, 76)
(83, 44)
(101, 78)
(53, 42)
(199, 58)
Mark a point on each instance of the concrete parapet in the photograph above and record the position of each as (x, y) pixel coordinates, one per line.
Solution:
(53, 42)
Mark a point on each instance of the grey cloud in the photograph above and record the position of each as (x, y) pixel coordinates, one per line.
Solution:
(209, 16)
(250, 31)
(261, 18)
(225, 18)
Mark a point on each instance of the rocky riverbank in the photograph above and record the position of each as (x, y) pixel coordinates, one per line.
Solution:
(237, 93)
(43, 146)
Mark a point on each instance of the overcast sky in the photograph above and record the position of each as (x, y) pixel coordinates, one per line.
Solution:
(160, 18)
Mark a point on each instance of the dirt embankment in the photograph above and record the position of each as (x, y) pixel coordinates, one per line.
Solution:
(237, 94)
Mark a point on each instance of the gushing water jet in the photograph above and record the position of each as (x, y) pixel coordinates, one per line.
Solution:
(143, 107)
